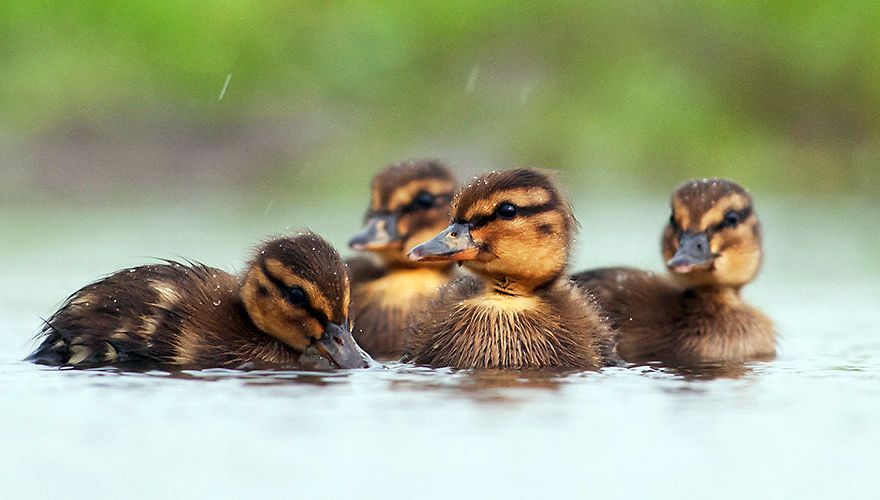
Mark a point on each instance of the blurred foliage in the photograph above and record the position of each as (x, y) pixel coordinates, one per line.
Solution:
(779, 95)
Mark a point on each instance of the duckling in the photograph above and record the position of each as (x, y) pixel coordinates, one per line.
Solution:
(712, 248)
(513, 231)
(288, 309)
(409, 203)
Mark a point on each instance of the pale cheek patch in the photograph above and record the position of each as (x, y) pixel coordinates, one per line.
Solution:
(530, 247)
(740, 255)
(738, 266)
(271, 312)
(733, 238)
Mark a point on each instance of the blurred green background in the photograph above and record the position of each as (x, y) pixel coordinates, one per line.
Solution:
(103, 99)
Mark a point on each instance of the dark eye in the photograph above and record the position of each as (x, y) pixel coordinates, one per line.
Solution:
(297, 296)
(731, 219)
(506, 211)
(672, 221)
(424, 200)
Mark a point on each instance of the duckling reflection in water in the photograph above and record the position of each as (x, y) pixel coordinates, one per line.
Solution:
(513, 230)
(409, 204)
(712, 248)
(289, 309)
(499, 387)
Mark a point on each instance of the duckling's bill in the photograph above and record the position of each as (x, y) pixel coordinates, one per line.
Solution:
(338, 347)
(693, 254)
(379, 233)
(453, 244)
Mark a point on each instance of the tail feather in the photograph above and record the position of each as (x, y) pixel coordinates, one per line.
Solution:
(53, 350)
(62, 348)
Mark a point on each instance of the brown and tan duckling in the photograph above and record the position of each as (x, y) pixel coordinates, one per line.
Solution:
(289, 309)
(409, 203)
(712, 248)
(512, 230)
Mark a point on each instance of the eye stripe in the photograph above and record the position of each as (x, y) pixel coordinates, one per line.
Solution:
(742, 214)
(282, 289)
(394, 195)
(440, 199)
(524, 211)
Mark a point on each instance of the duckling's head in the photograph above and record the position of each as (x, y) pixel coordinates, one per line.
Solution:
(296, 289)
(512, 228)
(713, 237)
(409, 203)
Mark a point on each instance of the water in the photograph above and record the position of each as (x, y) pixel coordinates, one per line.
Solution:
(804, 425)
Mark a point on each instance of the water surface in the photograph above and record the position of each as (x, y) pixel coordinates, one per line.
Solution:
(804, 425)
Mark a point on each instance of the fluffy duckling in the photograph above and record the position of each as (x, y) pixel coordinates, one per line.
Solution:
(712, 248)
(409, 203)
(512, 230)
(289, 309)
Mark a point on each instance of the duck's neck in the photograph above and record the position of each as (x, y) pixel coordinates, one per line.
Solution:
(424, 272)
(726, 295)
(512, 286)
(400, 287)
(395, 265)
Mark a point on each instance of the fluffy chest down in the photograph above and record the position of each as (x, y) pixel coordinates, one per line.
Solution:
(737, 334)
(500, 331)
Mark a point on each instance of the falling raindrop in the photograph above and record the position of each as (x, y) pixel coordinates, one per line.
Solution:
(524, 94)
(225, 87)
(472, 79)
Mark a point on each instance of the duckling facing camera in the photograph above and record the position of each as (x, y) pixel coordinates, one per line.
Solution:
(289, 309)
(409, 203)
(712, 248)
(512, 230)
